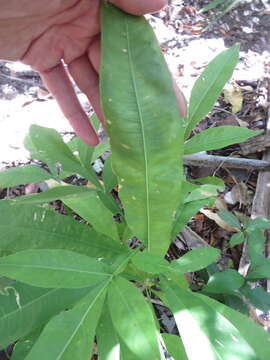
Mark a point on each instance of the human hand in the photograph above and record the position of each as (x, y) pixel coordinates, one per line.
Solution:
(63, 32)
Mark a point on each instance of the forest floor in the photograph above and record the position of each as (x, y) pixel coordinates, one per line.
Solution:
(189, 41)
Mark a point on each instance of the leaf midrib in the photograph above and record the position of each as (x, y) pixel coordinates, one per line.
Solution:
(133, 77)
(56, 269)
(81, 321)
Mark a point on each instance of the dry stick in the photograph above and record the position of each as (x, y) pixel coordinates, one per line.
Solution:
(226, 162)
(192, 239)
(260, 207)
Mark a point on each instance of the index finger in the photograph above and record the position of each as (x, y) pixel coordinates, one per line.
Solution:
(60, 86)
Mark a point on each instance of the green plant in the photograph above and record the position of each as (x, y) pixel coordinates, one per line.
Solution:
(74, 280)
(223, 6)
(232, 288)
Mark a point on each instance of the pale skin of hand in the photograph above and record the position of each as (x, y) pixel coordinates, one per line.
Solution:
(64, 32)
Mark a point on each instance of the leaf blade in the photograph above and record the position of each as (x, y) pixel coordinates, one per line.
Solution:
(90, 208)
(217, 138)
(22, 175)
(209, 85)
(214, 333)
(224, 282)
(24, 226)
(53, 268)
(150, 131)
(24, 308)
(195, 260)
(74, 329)
(127, 306)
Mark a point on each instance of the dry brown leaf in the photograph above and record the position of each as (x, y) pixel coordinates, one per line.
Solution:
(242, 123)
(240, 193)
(214, 216)
(234, 96)
(221, 204)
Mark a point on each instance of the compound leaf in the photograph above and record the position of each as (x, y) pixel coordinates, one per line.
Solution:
(70, 334)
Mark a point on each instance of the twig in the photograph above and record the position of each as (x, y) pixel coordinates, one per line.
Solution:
(225, 162)
(192, 239)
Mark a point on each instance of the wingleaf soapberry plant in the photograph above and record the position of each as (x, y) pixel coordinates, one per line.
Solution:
(67, 282)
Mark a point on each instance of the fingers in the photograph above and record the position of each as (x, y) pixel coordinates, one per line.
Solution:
(60, 86)
(181, 100)
(140, 7)
(94, 52)
(87, 80)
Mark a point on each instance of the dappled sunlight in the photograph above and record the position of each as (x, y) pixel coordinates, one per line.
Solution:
(216, 337)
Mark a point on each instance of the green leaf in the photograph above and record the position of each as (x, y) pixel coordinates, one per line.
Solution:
(133, 319)
(22, 175)
(23, 346)
(110, 203)
(260, 271)
(100, 149)
(150, 263)
(209, 85)
(70, 335)
(236, 303)
(126, 354)
(58, 192)
(25, 227)
(237, 239)
(246, 328)
(258, 297)
(212, 5)
(53, 268)
(230, 219)
(91, 209)
(108, 175)
(185, 213)
(175, 346)
(217, 138)
(107, 338)
(24, 308)
(258, 223)
(48, 146)
(144, 126)
(204, 191)
(195, 260)
(131, 272)
(256, 247)
(82, 151)
(216, 336)
(213, 180)
(224, 282)
(85, 153)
